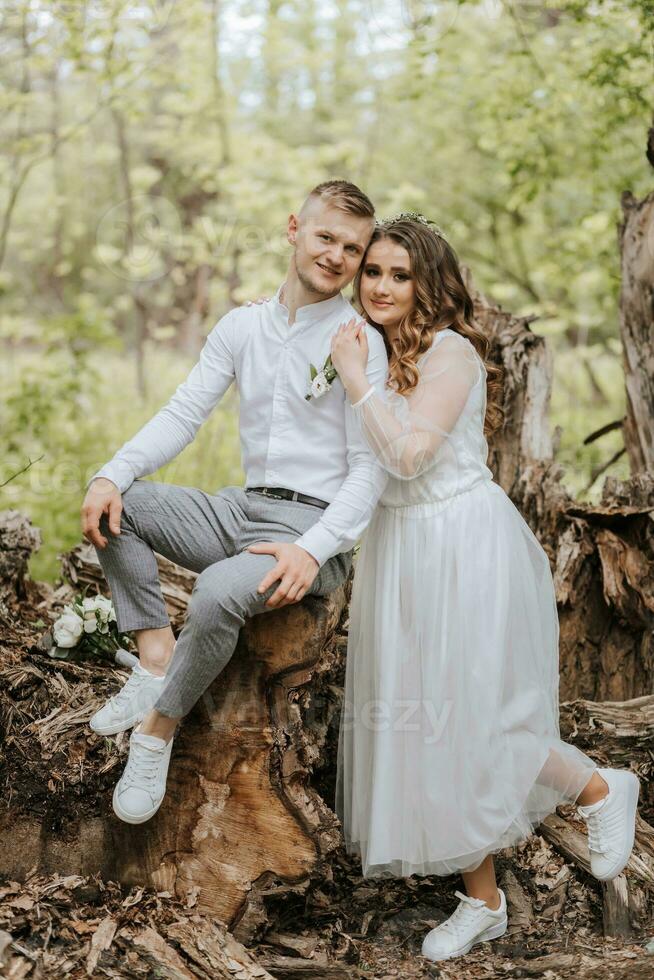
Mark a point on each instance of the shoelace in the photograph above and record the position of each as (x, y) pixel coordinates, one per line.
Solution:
(601, 825)
(127, 690)
(142, 767)
(465, 912)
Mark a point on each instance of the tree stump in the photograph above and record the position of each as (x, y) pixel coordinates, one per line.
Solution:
(602, 556)
(18, 540)
(239, 818)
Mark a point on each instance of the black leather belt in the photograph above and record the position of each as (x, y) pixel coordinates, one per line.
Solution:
(281, 493)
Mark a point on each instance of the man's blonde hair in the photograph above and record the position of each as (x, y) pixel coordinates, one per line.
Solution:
(343, 195)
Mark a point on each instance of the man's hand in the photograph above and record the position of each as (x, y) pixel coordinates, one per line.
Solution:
(295, 567)
(102, 497)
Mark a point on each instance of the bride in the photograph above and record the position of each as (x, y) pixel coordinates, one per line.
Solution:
(449, 744)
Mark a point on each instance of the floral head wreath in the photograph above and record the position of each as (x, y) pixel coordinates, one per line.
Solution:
(410, 216)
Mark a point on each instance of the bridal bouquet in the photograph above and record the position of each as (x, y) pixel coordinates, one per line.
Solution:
(87, 628)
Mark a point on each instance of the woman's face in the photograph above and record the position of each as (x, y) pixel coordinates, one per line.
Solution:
(387, 289)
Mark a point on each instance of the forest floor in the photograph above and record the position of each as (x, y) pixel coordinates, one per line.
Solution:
(54, 769)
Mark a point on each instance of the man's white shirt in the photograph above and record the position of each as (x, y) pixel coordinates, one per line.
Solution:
(313, 446)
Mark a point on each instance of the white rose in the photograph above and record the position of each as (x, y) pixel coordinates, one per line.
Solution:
(105, 608)
(90, 625)
(67, 630)
(320, 385)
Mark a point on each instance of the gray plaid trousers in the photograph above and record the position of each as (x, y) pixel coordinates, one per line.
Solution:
(206, 533)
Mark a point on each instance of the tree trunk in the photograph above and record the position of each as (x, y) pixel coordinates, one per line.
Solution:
(601, 555)
(18, 540)
(239, 816)
(636, 235)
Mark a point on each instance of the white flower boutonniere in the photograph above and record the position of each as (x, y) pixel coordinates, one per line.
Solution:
(321, 381)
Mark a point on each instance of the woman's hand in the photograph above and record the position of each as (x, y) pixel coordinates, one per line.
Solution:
(349, 353)
(257, 302)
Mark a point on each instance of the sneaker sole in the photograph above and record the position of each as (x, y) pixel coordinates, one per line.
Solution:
(128, 817)
(116, 729)
(493, 932)
(633, 792)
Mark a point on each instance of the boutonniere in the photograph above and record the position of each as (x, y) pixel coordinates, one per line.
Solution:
(321, 381)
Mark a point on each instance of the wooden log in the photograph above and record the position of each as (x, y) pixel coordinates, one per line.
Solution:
(290, 967)
(80, 567)
(622, 730)
(526, 364)
(209, 947)
(602, 555)
(615, 909)
(18, 541)
(568, 836)
(521, 911)
(626, 900)
(551, 965)
(618, 734)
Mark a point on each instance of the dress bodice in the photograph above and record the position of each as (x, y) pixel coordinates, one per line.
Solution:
(460, 463)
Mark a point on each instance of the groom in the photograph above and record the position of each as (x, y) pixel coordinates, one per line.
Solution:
(311, 485)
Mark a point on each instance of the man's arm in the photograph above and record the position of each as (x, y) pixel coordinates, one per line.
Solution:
(176, 424)
(349, 513)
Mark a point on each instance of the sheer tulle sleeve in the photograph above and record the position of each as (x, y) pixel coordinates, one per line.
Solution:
(407, 433)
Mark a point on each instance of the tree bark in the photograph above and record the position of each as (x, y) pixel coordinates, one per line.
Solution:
(602, 555)
(636, 236)
(18, 541)
(240, 816)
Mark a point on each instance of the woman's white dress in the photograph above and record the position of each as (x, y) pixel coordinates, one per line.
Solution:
(449, 744)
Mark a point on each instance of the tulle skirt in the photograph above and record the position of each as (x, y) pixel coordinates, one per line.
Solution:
(449, 746)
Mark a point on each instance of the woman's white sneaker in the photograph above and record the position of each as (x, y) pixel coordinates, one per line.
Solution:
(140, 790)
(134, 700)
(612, 823)
(471, 922)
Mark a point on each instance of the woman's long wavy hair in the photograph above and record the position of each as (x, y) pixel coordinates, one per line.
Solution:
(442, 300)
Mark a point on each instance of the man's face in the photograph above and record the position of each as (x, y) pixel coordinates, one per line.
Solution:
(329, 246)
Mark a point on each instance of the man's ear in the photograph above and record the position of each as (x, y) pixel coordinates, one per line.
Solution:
(291, 231)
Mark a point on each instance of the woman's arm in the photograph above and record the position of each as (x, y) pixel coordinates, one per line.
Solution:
(407, 433)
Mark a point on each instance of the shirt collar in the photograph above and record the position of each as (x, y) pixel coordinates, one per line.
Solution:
(313, 311)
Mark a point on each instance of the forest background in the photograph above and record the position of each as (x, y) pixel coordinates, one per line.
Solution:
(152, 151)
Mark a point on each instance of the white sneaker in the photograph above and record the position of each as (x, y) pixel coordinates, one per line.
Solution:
(134, 700)
(140, 790)
(471, 922)
(612, 823)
